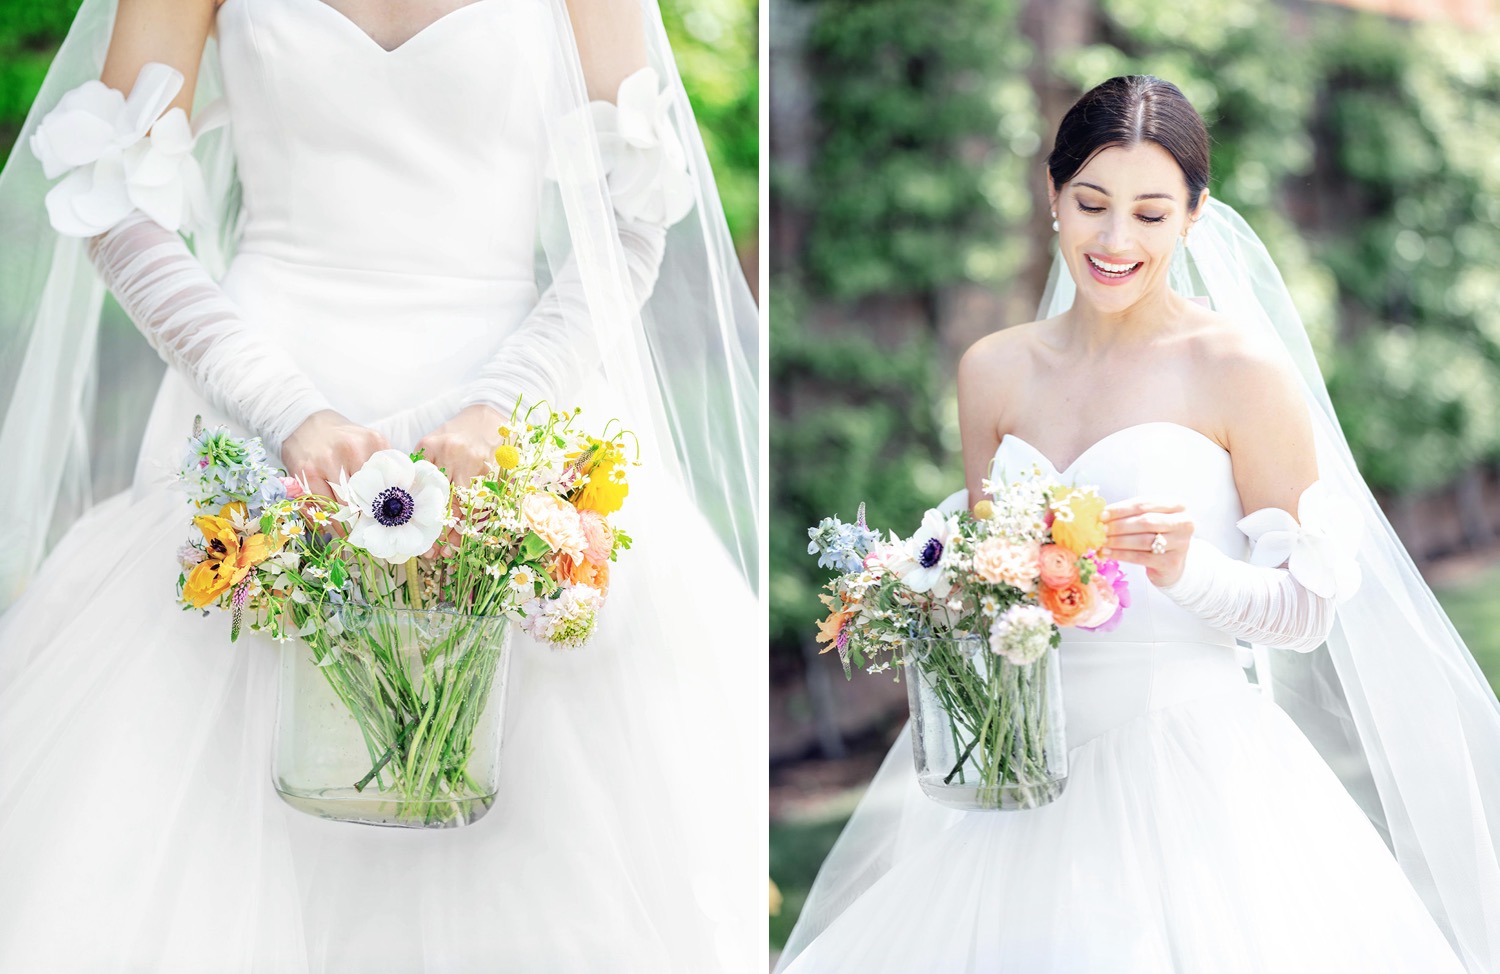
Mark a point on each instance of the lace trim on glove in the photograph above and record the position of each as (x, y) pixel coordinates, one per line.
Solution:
(1320, 551)
(99, 137)
(645, 164)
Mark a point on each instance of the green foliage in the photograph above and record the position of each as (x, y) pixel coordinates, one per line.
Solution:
(1419, 407)
(852, 421)
(1411, 120)
(928, 124)
(714, 42)
(30, 35)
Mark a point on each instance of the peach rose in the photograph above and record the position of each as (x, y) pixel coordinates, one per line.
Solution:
(1059, 566)
(1002, 563)
(581, 571)
(1070, 603)
(1105, 602)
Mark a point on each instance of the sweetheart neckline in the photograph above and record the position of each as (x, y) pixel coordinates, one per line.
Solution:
(353, 25)
(1105, 439)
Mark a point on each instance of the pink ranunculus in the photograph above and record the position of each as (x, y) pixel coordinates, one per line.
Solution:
(600, 537)
(1059, 566)
(1110, 573)
(1105, 606)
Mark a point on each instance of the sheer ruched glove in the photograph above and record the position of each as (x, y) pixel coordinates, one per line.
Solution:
(132, 182)
(1290, 607)
(199, 331)
(650, 188)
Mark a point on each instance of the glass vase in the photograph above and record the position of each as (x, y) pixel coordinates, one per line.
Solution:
(986, 733)
(393, 717)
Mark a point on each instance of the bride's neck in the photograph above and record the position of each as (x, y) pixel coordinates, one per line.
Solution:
(1093, 330)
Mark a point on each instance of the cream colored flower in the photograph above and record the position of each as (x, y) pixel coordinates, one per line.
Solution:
(556, 522)
(998, 562)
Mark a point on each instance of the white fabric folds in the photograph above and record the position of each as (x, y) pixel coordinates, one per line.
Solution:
(1287, 608)
(195, 327)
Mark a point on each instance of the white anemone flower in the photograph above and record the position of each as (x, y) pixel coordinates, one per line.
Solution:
(394, 506)
(923, 564)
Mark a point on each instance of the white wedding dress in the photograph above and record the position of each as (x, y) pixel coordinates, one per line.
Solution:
(390, 247)
(1199, 830)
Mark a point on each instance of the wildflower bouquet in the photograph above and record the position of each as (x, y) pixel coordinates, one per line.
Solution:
(402, 591)
(972, 605)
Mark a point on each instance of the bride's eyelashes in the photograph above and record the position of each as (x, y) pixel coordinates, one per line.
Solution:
(1139, 216)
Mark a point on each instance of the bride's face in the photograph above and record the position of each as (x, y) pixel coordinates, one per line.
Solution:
(1119, 219)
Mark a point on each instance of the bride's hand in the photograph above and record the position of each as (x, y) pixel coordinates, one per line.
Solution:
(326, 445)
(465, 444)
(1132, 525)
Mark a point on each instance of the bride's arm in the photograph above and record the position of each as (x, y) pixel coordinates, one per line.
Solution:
(550, 352)
(1303, 556)
(134, 244)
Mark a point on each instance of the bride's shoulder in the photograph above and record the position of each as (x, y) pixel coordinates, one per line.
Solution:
(1005, 352)
(1248, 376)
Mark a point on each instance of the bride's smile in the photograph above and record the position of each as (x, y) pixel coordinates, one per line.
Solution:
(1119, 221)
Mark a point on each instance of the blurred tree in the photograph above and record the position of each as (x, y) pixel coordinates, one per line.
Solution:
(1411, 184)
(29, 35)
(926, 123)
(714, 42)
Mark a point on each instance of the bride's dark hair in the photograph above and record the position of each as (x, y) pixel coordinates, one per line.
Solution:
(1127, 111)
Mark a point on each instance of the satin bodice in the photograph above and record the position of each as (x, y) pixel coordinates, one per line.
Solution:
(1159, 654)
(422, 159)
(390, 202)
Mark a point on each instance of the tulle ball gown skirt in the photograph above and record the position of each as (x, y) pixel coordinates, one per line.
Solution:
(1199, 832)
(139, 828)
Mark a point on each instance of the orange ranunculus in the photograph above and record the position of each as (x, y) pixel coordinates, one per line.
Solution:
(1059, 566)
(1069, 603)
(1076, 523)
(581, 572)
(229, 558)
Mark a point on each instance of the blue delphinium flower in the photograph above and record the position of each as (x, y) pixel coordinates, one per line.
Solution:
(839, 546)
(218, 469)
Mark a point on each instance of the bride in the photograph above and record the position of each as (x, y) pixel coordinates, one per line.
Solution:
(1348, 826)
(404, 219)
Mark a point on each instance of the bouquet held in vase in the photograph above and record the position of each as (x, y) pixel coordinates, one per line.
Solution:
(971, 608)
(394, 603)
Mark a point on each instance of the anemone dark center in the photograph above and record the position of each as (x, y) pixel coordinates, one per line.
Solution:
(932, 552)
(393, 506)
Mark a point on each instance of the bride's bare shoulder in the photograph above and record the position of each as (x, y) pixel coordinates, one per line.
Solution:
(1247, 374)
(1007, 352)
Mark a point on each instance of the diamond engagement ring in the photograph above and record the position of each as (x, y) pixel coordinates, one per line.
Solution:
(1158, 545)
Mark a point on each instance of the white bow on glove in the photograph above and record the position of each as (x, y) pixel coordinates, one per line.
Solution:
(1319, 551)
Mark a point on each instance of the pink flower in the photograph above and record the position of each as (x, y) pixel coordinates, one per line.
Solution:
(599, 535)
(999, 562)
(1109, 575)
